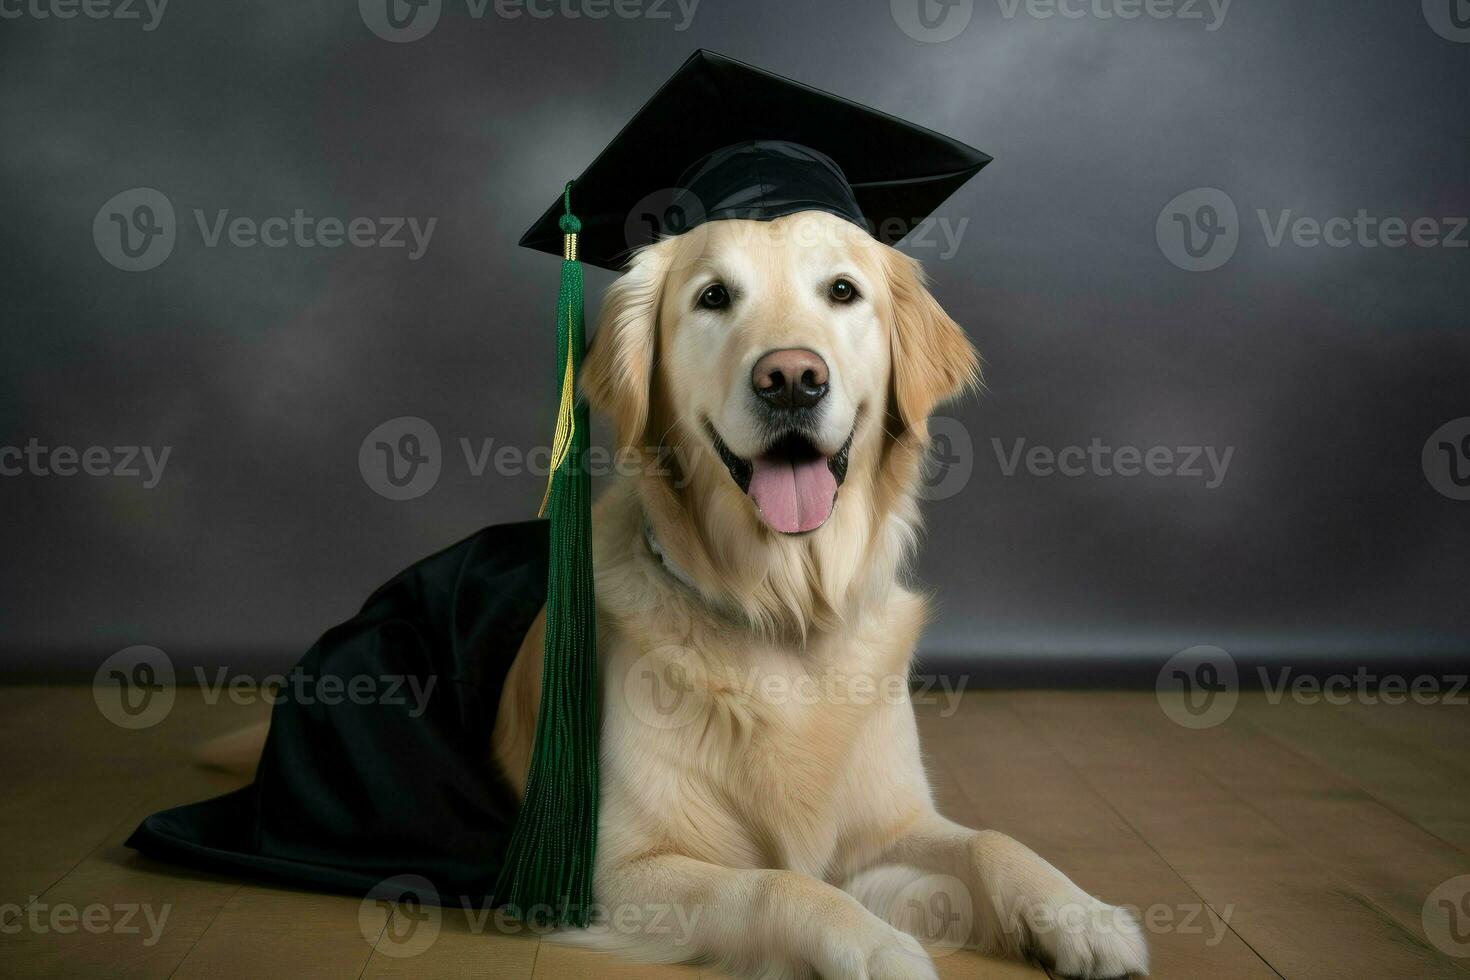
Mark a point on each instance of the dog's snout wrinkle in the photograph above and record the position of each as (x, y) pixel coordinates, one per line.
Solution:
(790, 379)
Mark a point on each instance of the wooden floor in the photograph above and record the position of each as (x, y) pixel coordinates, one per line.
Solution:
(1291, 841)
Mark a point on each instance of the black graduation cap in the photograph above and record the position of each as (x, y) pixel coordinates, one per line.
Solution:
(723, 139)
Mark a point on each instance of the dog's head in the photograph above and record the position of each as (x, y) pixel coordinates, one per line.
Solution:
(790, 365)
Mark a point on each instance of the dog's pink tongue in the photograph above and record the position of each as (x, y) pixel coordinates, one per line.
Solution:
(793, 497)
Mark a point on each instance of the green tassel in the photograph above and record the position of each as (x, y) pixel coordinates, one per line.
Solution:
(547, 874)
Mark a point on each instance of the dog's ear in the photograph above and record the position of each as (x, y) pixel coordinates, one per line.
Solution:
(618, 373)
(933, 360)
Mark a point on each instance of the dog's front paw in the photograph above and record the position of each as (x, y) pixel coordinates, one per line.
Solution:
(1084, 939)
(880, 952)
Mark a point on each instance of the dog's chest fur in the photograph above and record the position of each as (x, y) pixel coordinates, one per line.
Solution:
(748, 753)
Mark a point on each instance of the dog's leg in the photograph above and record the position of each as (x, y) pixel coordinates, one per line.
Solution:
(1024, 906)
(764, 923)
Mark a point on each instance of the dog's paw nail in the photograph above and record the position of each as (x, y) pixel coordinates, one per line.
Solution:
(902, 959)
(1109, 945)
(1109, 948)
(880, 954)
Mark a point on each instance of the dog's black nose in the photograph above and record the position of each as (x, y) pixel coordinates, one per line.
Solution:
(790, 379)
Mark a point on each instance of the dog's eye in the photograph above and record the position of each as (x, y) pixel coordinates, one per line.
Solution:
(715, 297)
(843, 290)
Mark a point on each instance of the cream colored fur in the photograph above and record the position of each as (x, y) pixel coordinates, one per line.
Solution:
(784, 814)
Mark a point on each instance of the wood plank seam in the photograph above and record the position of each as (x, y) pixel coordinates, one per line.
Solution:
(205, 931)
(1138, 832)
(142, 801)
(1367, 902)
(381, 933)
(1361, 786)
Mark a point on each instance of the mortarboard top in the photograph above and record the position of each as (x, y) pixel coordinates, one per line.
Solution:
(722, 139)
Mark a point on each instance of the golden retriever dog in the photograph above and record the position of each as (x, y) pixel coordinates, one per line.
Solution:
(761, 769)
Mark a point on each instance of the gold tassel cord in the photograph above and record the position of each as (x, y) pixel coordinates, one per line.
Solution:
(566, 425)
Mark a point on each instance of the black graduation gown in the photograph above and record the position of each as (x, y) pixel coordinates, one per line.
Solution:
(356, 791)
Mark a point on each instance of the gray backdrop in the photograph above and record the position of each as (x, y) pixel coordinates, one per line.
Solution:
(1324, 370)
